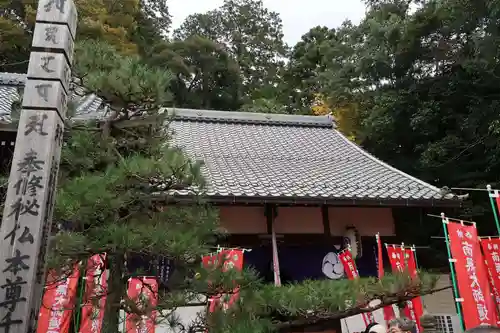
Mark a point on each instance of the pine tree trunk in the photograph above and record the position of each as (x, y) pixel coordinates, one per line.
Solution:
(116, 291)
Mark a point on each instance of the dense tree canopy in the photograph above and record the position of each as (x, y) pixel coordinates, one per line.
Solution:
(205, 74)
(415, 82)
(252, 35)
(131, 26)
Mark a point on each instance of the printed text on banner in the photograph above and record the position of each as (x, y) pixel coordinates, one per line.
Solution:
(58, 303)
(491, 250)
(94, 299)
(143, 291)
(351, 272)
(417, 309)
(398, 264)
(472, 277)
(226, 259)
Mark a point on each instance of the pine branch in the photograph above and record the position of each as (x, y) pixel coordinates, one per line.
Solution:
(299, 324)
(5, 64)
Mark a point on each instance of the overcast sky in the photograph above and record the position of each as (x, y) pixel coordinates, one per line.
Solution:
(298, 15)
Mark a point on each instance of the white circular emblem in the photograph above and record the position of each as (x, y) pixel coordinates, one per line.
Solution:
(332, 267)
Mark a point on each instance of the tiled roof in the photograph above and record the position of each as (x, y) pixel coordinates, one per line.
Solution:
(266, 156)
(269, 157)
(88, 107)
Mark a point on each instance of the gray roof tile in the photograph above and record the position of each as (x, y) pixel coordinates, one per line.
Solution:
(250, 155)
(88, 107)
(269, 156)
(8, 94)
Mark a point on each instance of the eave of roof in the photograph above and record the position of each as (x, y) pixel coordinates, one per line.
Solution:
(302, 201)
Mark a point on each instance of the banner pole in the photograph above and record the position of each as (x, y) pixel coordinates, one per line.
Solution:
(78, 307)
(452, 270)
(276, 263)
(414, 250)
(493, 208)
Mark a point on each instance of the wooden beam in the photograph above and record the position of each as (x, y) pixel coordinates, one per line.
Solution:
(326, 221)
(314, 202)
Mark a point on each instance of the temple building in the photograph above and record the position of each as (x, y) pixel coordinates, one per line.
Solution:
(294, 174)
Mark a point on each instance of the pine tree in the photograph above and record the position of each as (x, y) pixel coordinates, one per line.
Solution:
(116, 186)
(116, 178)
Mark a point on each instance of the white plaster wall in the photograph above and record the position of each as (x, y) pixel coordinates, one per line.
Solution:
(356, 323)
(186, 316)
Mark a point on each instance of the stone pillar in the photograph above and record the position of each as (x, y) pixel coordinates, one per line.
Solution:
(27, 215)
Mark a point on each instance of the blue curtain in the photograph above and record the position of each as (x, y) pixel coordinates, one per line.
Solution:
(158, 266)
(298, 263)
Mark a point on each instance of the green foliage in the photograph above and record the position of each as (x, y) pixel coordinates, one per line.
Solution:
(308, 59)
(418, 89)
(267, 308)
(436, 110)
(131, 26)
(205, 74)
(263, 105)
(111, 75)
(252, 35)
(14, 46)
(118, 174)
(416, 81)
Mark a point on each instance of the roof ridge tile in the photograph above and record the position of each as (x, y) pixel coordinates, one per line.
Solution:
(250, 117)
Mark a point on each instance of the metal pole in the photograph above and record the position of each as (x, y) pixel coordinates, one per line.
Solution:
(453, 219)
(414, 246)
(413, 249)
(27, 215)
(80, 302)
(492, 194)
(452, 270)
(468, 189)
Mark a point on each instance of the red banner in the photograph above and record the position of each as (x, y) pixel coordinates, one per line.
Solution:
(95, 295)
(396, 258)
(232, 259)
(351, 271)
(209, 262)
(388, 310)
(58, 303)
(414, 309)
(144, 291)
(491, 249)
(399, 258)
(227, 259)
(478, 307)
